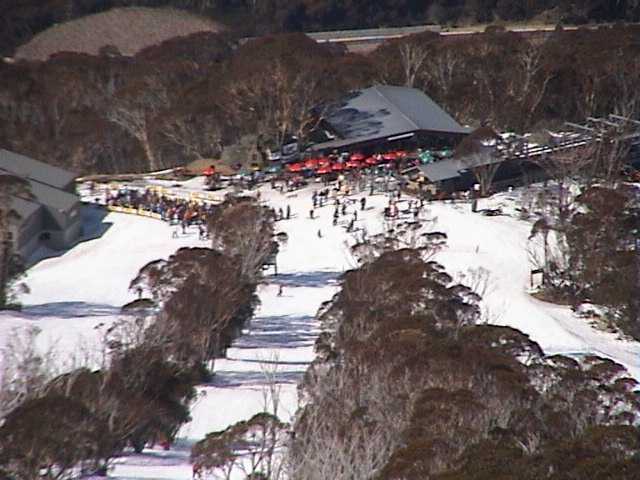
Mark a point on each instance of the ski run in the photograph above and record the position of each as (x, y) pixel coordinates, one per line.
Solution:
(74, 296)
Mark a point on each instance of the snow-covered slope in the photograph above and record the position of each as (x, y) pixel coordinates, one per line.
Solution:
(73, 293)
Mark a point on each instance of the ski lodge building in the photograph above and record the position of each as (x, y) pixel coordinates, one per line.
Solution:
(51, 216)
(385, 117)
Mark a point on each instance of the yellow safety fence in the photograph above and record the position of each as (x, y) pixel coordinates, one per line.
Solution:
(191, 196)
(134, 211)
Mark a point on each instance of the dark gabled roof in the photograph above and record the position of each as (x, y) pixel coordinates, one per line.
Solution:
(29, 168)
(24, 208)
(442, 170)
(52, 197)
(386, 111)
(345, 142)
(419, 109)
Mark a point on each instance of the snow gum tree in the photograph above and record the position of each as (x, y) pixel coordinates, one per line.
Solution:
(294, 78)
(407, 385)
(10, 265)
(604, 261)
(50, 437)
(479, 153)
(242, 229)
(248, 446)
(203, 299)
(139, 397)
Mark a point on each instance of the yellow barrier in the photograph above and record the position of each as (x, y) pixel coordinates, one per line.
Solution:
(132, 211)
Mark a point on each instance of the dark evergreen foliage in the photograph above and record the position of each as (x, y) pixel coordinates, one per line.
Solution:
(50, 436)
(407, 386)
(194, 95)
(22, 19)
(604, 257)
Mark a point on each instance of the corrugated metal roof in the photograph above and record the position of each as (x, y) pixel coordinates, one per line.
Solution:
(480, 160)
(442, 170)
(385, 111)
(420, 109)
(339, 143)
(53, 197)
(26, 167)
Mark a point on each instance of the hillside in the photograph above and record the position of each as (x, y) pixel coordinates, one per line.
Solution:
(128, 29)
(83, 290)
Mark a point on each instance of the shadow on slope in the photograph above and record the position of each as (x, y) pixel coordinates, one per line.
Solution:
(306, 279)
(71, 310)
(279, 331)
(93, 227)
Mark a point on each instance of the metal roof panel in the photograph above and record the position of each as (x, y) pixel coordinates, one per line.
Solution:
(26, 167)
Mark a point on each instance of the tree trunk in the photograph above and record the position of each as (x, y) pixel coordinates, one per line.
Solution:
(148, 152)
(4, 272)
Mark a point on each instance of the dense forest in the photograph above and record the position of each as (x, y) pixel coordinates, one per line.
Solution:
(20, 20)
(194, 96)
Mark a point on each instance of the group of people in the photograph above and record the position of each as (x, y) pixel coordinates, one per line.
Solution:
(284, 214)
(174, 210)
(320, 198)
(414, 207)
(290, 184)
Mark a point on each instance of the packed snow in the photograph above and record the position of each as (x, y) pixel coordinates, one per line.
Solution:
(74, 294)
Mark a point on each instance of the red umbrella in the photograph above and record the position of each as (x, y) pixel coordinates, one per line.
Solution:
(350, 164)
(389, 156)
(323, 162)
(401, 153)
(337, 167)
(357, 156)
(324, 169)
(311, 163)
(372, 161)
(209, 171)
(295, 167)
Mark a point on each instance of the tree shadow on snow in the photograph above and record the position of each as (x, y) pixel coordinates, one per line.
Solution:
(306, 279)
(279, 331)
(71, 310)
(178, 454)
(253, 378)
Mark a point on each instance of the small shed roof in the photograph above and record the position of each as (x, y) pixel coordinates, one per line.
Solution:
(442, 170)
(29, 168)
(24, 208)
